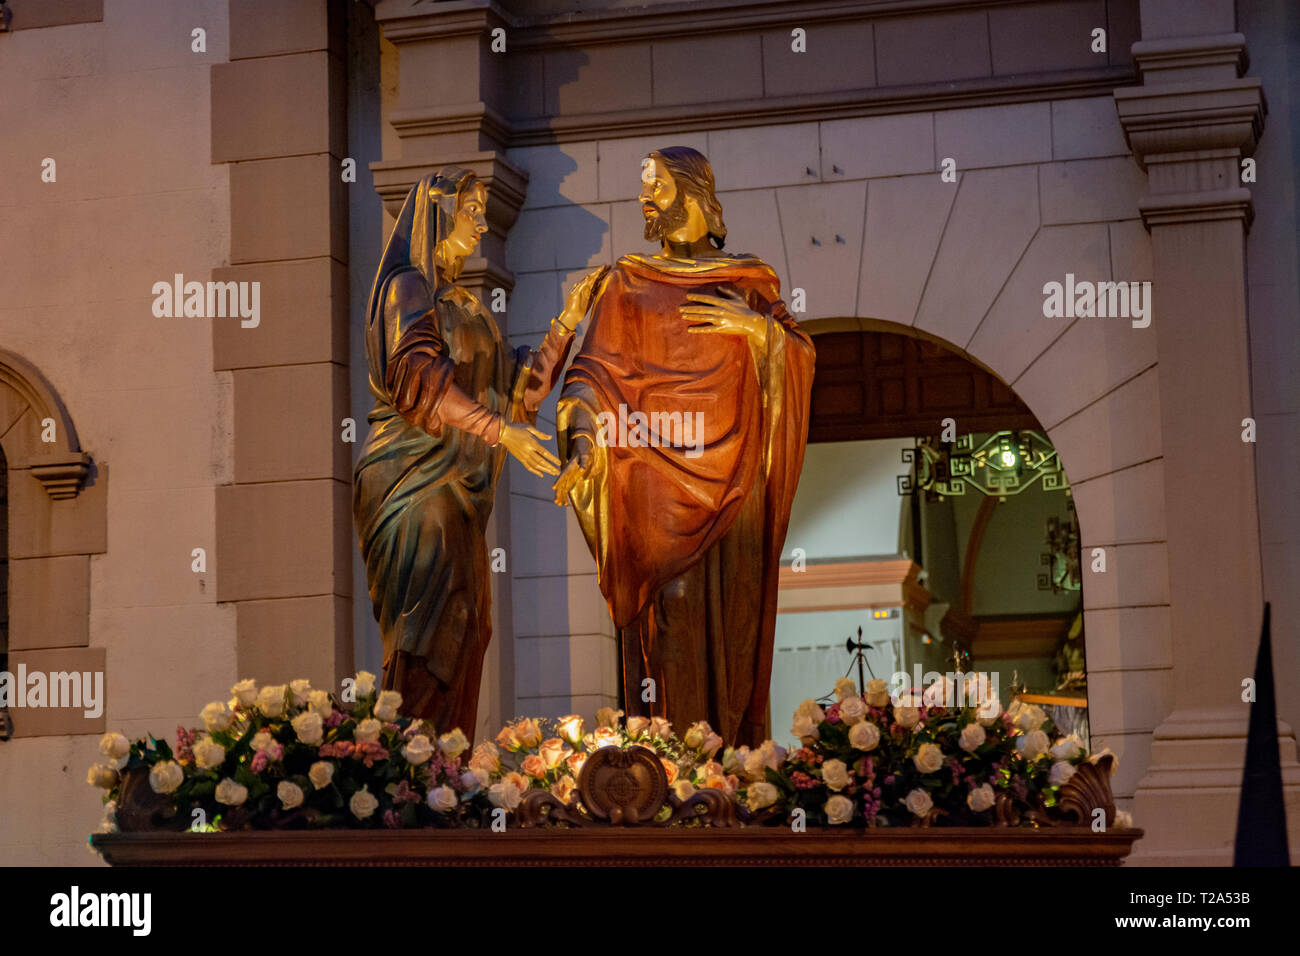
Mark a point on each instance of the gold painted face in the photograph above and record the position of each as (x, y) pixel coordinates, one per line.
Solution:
(471, 222)
(658, 190)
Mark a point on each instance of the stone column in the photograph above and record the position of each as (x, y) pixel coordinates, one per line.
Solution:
(1190, 124)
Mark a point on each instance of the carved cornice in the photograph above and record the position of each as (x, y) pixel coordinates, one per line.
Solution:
(1169, 118)
(63, 476)
(1166, 60)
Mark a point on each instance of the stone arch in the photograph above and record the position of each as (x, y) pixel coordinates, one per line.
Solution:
(57, 518)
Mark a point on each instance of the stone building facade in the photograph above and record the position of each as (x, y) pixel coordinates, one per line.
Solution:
(919, 166)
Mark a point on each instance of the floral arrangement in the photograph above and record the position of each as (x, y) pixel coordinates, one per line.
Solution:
(285, 756)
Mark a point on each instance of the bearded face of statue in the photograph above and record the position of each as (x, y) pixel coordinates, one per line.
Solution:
(662, 203)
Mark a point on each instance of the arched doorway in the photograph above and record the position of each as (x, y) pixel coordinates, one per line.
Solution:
(909, 526)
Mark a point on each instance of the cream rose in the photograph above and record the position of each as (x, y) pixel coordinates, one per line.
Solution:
(1060, 773)
(805, 728)
(114, 745)
(637, 726)
(530, 735)
(443, 799)
(981, 798)
(844, 689)
(695, 734)
(760, 795)
(553, 751)
(270, 700)
(1067, 748)
(364, 684)
(471, 778)
(453, 744)
(363, 804)
(661, 728)
(418, 750)
(387, 705)
(989, 711)
(290, 794)
(320, 774)
(928, 759)
(575, 762)
(683, 788)
(972, 737)
(1027, 717)
(245, 692)
(608, 717)
(300, 691)
(839, 809)
(230, 793)
(711, 744)
(319, 702)
(487, 757)
(166, 776)
(864, 736)
(216, 718)
(907, 717)
(505, 794)
(261, 740)
(810, 708)
(877, 693)
(918, 802)
(571, 729)
(103, 776)
(1032, 745)
(835, 774)
(208, 753)
(1123, 820)
(754, 765)
(853, 710)
(563, 789)
(367, 731)
(534, 766)
(310, 727)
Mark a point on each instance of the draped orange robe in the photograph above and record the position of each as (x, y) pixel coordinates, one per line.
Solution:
(687, 537)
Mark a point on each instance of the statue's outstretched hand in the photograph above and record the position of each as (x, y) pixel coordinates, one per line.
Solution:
(525, 443)
(577, 469)
(578, 302)
(728, 314)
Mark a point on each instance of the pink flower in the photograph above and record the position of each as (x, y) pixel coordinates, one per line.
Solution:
(833, 713)
(340, 748)
(404, 794)
(334, 719)
(392, 820)
(370, 752)
(260, 760)
(802, 781)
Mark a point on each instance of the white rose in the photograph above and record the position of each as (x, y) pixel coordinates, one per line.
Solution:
(320, 774)
(835, 774)
(972, 738)
(310, 728)
(1060, 773)
(1123, 820)
(103, 776)
(230, 793)
(853, 710)
(505, 794)
(208, 753)
(1032, 745)
(114, 745)
(839, 809)
(844, 689)
(301, 691)
(981, 798)
(319, 702)
(864, 736)
(810, 708)
(453, 744)
(216, 718)
(877, 693)
(1067, 748)
(166, 776)
(363, 804)
(270, 700)
(418, 750)
(261, 741)
(805, 728)
(760, 795)
(387, 704)
(918, 802)
(469, 779)
(907, 717)
(364, 684)
(684, 788)
(928, 759)
(290, 794)
(1026, 717)
(443, 799)
(246, 692)
(755, 765)
(367, 731)
(481, 775)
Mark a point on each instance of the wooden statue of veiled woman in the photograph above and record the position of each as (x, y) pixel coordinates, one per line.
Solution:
(450, 399)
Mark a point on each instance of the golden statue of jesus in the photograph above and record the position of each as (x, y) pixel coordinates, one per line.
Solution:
(683, 421)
